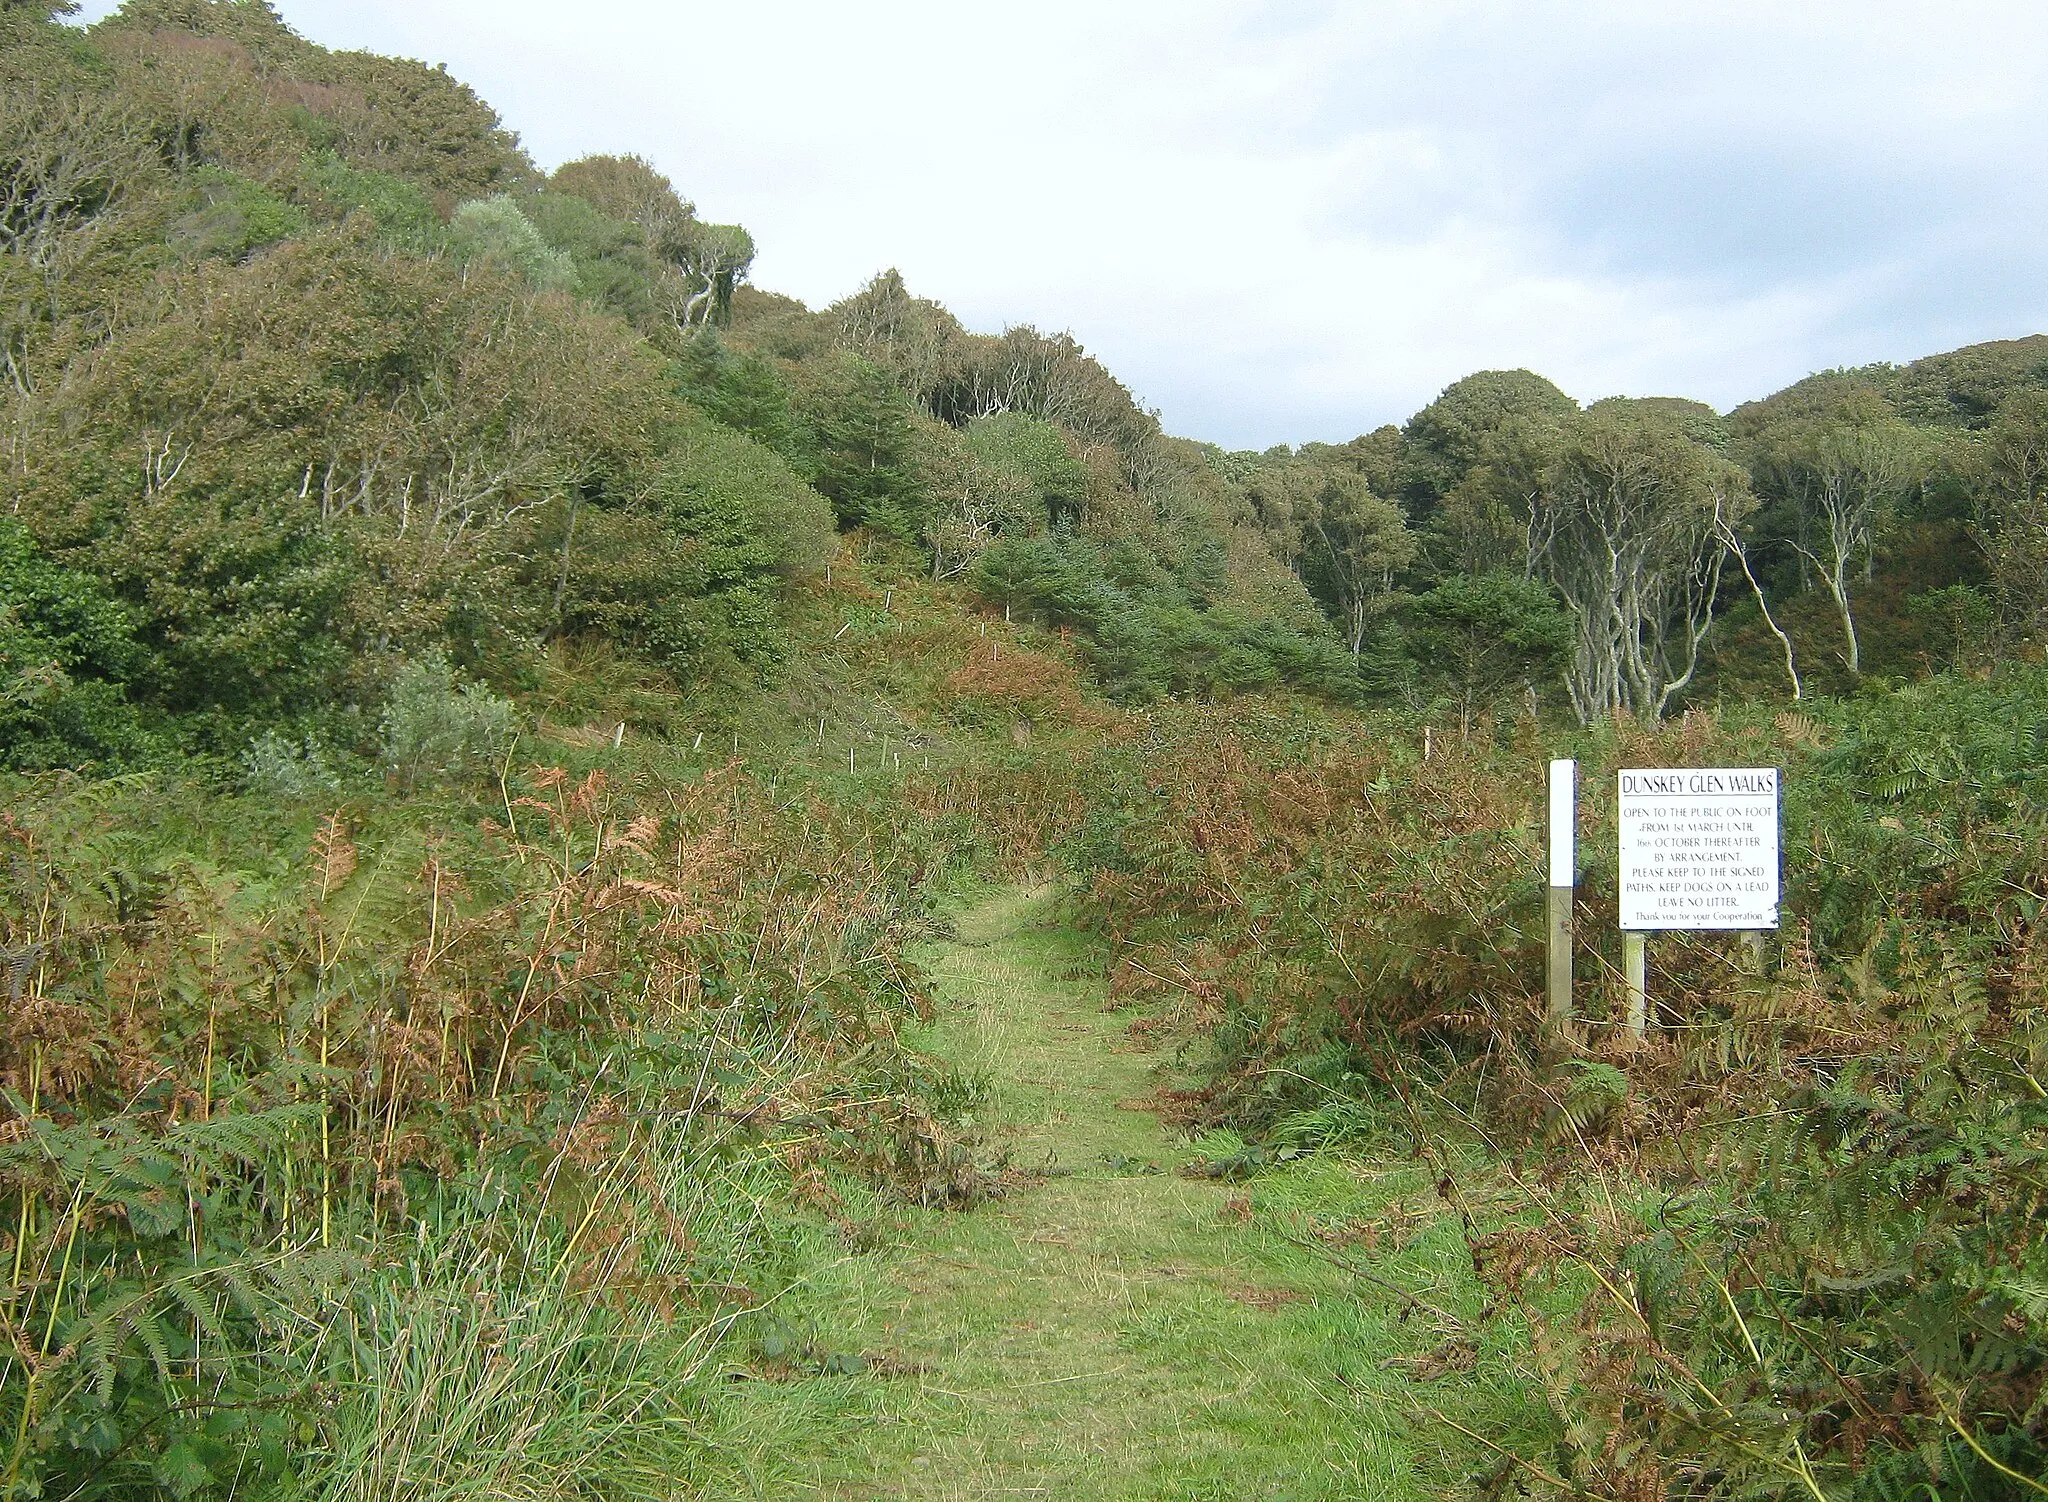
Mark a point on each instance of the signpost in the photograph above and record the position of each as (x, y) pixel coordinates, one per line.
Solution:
(1563, 869)
(1699, 850)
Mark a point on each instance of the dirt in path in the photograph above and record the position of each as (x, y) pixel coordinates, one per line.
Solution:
(1112, 1330)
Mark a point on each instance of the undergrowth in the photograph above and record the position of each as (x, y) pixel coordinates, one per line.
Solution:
(426, 1148)
(1803, 1215)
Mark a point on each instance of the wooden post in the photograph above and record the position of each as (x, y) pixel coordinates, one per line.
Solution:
(1563, 878)
(1635, 971)
(1753, 942)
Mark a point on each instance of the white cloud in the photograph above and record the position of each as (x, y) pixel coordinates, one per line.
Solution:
(1298, 220)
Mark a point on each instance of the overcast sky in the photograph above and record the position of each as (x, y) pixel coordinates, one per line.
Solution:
(1282, 222)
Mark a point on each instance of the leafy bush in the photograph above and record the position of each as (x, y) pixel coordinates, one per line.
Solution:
(279, 766)
(66, 654)
(494, 231)
(1036, 452)
(232, 217)
(741, 390)
(435, 730)
(857, 437)
(1469, 643)
(404, 215)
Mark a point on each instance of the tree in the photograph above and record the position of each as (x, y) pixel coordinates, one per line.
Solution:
(1738, 549)
(717, 258)
(2015, 527)
(972, 502)
(629, 189)
(1625, 530)
(1053, 377)
(1353, 543)
(741, 390)
(1844, 473)
(1038, 454)
(66, 653)
(858, 427)
(1453, 433)
(421, 124)
(494, 230)
(913, 338)
(1486, 517)
(70, 161)
(1475, 638)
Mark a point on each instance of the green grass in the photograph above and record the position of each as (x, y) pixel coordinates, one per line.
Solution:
(1109, 1328)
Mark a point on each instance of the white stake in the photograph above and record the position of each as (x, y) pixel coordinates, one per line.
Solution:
(1564, 859)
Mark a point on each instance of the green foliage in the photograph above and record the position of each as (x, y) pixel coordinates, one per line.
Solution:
(1960, 622)
(1965, 388)
(435, 730)
(723, 488)
(741, 390)
(233, 217)
(717, 257)
(1147, 637)
(496, 232)
(857, 434)
(283, 767)
(421, 124)
(1453, 434)
(629, 190)
(1353, 543)
(1035, 452)
(2014, 468)
(617, 268)
(1471, 643)
(404, 215)
(67, 653)
(692, 572)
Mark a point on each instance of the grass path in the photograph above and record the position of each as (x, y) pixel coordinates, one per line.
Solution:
(1114, 1331)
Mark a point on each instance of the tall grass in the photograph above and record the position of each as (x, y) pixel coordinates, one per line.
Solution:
(424, 1147)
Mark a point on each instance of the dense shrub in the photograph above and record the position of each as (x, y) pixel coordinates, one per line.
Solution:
(1147, 636)
(435, 729)
(67, 653)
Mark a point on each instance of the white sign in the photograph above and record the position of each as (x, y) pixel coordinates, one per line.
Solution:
(1699, 848)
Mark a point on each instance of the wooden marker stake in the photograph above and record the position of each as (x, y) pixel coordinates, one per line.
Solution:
(1635, 971)
(1563, 865)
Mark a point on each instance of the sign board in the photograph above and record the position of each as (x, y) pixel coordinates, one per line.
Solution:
(1699, 848)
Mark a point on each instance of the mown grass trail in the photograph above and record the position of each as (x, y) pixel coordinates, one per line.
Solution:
(1116, 1329)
